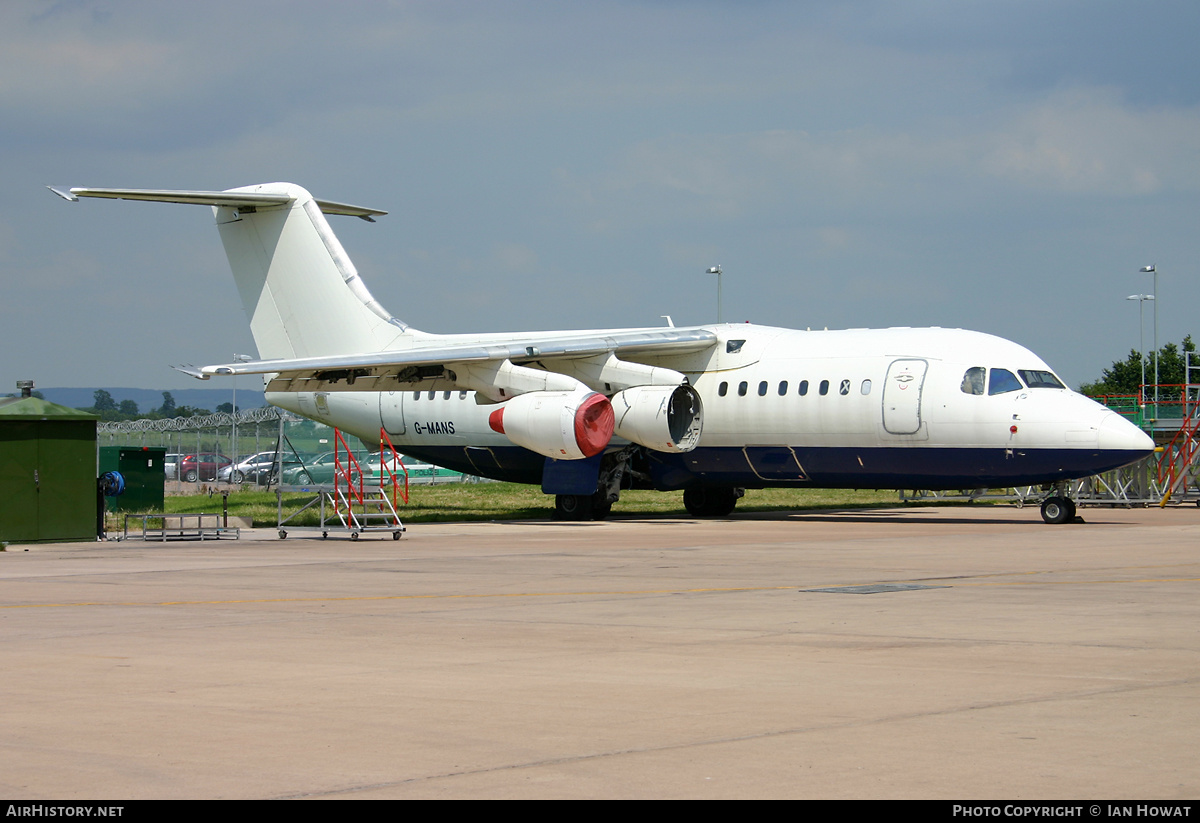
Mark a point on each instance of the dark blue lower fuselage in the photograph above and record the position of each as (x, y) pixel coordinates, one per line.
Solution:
(818, 467)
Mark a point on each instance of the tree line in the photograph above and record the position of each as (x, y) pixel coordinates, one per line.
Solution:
(1125, 376)
(108, 409)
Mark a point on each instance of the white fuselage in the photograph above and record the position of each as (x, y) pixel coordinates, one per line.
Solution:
(862, 407)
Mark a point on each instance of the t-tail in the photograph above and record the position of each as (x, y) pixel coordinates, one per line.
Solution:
(301, 293)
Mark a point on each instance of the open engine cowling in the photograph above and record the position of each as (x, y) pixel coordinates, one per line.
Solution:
(567, 425)
(662, 418)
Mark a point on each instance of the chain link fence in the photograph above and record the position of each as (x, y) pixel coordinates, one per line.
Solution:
(225, 449)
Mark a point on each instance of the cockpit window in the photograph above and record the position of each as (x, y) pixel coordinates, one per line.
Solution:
(1035, 379)
(1003, 381)
(973, 380)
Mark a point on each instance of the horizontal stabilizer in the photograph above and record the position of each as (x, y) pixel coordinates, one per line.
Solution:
(229, 199)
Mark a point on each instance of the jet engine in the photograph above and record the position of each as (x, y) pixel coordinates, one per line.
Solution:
(567, 425)
(661, 418)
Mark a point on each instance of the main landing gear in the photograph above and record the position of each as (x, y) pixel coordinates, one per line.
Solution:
(582, 506)
(711, 502)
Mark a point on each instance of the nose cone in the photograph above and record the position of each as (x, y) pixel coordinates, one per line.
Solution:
(1119, 435)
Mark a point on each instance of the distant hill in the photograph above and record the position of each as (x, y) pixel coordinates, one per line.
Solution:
(150, 399)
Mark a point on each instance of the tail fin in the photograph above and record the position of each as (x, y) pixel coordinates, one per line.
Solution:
(300, 291)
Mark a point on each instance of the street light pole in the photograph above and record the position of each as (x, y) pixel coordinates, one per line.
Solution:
(241, 358)
(1151, 269)
(717, 271)
(1142, 298)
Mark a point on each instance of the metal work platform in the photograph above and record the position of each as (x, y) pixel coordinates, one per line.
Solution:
(1169, 413)
(164, 527)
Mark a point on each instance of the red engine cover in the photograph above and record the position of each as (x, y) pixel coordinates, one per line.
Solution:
(563, 425)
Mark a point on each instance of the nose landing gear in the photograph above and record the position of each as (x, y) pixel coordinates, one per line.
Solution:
(1058, 508)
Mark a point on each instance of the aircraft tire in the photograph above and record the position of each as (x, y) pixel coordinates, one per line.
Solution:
(1058, 510)
(710, 502)
(601, 509)
(573, 507)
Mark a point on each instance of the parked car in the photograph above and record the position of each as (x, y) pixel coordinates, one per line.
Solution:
(320, 470)
(418, 472)
(257, 468)
(171, 466)
(203, 466)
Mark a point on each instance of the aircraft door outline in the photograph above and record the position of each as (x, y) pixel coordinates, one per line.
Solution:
(902, 390)
(391, 412)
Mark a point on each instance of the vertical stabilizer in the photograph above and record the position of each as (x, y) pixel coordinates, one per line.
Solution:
(300, 291)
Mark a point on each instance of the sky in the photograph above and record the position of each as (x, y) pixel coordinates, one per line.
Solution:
(999, 165)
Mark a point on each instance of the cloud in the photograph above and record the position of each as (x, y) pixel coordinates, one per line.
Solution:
(1086, 141)
(515, 257)
(1067, 143)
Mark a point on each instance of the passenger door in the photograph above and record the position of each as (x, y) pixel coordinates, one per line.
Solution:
(902, 391)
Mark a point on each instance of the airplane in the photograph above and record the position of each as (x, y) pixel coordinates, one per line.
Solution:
(711, 410)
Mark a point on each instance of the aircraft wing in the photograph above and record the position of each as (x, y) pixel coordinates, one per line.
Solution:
(399, 369)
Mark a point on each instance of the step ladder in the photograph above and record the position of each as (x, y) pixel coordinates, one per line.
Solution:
(370, 511)
(362, 506)
(1179, 462)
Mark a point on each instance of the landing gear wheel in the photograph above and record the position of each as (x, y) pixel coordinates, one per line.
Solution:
(710, 502)
(1058, 510)
(572, 507)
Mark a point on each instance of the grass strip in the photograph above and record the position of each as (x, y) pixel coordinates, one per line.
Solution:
(511, 501)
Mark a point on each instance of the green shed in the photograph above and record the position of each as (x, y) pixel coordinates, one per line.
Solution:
(47, 472)
(144, 474)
